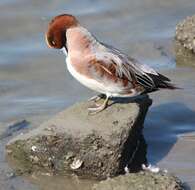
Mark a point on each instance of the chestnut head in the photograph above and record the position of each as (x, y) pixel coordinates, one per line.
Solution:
(56, 33)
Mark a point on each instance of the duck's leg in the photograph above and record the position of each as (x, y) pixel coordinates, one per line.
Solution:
(96, 98)
(94, 110)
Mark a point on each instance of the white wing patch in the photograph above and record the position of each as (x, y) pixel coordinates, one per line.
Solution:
(147, 69)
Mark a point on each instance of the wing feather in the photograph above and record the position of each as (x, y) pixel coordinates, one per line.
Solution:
(134, 71)
(130, 68)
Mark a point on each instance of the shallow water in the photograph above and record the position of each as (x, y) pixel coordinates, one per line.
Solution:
(34, 83)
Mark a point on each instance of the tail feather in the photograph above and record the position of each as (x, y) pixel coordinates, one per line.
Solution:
(163, 78)
(162, 81)
(167, 85)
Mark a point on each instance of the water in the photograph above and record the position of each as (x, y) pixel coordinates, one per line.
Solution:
(34, 83)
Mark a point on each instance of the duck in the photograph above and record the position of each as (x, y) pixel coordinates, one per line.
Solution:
(101, 67)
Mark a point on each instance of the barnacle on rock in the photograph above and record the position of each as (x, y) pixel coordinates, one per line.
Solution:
(76, 164)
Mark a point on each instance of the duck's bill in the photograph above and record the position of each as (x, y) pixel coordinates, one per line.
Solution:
(64, 50)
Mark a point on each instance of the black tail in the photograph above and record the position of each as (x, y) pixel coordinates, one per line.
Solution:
(167, 85)
(162, 81)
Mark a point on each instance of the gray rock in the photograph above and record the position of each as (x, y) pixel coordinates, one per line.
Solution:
(183, 56)
(185, 34)
(140, 181)
(92, 146)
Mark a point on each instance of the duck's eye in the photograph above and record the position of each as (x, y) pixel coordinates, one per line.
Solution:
(51, 40)
(53, 43)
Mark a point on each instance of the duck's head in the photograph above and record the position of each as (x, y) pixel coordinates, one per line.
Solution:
(56, 33)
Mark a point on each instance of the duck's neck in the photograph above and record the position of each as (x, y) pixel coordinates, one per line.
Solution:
(80, 40)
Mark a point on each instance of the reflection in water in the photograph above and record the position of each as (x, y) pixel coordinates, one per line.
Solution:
(175, 119)
(59, 182)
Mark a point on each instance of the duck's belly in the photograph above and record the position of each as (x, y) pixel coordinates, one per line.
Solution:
(105, 87)
(88, 82)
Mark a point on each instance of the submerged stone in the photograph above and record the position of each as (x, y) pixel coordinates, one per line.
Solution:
(97, 146)
(141, 181)
(14, 128)
(184, 57)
